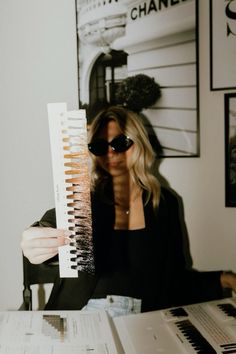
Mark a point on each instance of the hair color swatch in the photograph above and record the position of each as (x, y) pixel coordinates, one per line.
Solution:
(70, 163)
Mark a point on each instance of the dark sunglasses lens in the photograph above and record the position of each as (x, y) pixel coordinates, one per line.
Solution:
(121, 143)
(98, 148)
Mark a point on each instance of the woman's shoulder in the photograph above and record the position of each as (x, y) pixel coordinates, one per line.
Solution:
(169, 194)
(170, 199)
(48, 219)
(50, 214)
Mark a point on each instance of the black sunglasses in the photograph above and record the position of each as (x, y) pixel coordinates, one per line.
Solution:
(120, 143)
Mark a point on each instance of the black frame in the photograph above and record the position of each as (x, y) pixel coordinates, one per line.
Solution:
(222, 36)
(230, 151)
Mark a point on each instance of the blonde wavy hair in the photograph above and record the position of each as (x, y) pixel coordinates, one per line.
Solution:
(142, 157)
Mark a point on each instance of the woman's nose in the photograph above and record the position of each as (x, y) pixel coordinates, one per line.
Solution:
(110, 150)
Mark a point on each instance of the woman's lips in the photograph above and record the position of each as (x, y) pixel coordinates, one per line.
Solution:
(113, 163)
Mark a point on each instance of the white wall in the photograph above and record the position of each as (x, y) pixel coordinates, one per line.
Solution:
(37, 66)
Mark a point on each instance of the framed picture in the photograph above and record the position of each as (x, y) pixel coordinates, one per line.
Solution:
(159, 39)
(222, 44)
(230, 149)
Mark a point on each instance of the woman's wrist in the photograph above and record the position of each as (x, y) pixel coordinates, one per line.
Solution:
(228, 280)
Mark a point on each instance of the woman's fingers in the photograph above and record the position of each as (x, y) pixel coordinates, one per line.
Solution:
(41, 243)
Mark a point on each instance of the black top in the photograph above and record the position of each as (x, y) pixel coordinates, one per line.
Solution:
(128, 261)
(150, 264)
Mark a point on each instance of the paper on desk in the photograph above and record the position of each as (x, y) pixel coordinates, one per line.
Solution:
(50, 332)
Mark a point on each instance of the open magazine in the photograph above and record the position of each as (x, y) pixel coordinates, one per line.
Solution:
(57, 332)
(208, 327)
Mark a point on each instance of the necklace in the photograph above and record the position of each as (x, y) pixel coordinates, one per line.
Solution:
(126, 209)
(123, 209)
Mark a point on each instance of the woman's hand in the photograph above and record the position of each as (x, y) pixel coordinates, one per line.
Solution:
(228, 280)
(41, 243)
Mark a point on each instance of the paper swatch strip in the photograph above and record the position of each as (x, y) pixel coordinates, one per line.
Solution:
(69, 151)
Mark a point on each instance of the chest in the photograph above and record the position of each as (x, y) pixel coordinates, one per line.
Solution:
(130, 218)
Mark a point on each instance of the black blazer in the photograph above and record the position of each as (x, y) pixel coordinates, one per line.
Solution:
(166, 278)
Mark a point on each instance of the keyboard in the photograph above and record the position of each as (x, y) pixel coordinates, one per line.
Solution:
(203, 328)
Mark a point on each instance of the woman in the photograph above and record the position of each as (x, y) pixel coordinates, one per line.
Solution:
(138, 240)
